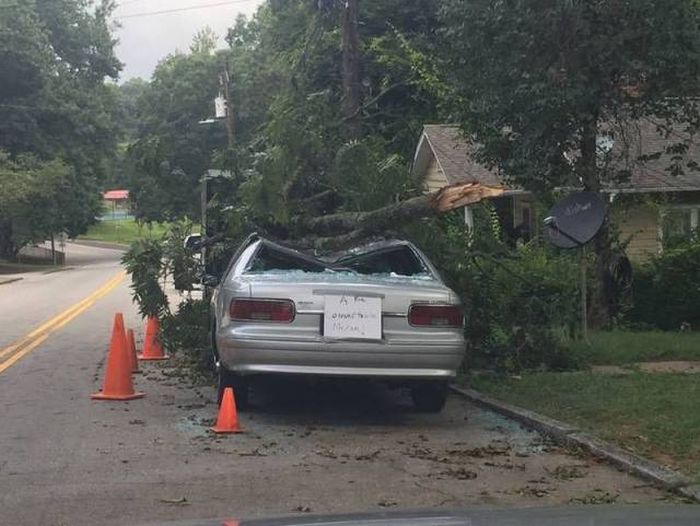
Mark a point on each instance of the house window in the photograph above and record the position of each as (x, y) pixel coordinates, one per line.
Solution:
(604, 148)
(679, 225)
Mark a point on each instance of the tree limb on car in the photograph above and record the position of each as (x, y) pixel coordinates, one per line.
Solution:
(445, 200)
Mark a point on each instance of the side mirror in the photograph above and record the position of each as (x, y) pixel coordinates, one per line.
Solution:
(211, 281)
(193, 242)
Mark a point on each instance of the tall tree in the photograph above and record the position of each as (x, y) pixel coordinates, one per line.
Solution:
(172, 151)
(538, 82)
(55, 56)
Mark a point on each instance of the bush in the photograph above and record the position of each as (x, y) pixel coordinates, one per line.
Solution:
(151, 263)
(667, 289)
(532, 301)
(521, 303)
(144, 262)
(188, 330)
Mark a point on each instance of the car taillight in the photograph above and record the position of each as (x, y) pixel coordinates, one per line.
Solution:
(435, 316)
(281, 311)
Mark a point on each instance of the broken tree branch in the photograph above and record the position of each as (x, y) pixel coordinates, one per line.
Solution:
(376, 99)
(448, 198)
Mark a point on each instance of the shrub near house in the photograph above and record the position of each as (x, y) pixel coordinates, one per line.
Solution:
(667, 289)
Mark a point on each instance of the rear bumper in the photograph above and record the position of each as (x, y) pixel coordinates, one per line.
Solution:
(412, 360)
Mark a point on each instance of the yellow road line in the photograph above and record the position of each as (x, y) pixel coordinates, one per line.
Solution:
(47, 325)
(16, 357)
(36, 337)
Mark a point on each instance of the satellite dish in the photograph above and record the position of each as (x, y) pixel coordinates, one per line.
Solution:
(574, 221)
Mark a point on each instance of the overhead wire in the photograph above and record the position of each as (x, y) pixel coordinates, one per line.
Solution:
(181, 9)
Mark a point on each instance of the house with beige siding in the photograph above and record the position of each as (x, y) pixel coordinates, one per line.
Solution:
(650, 210)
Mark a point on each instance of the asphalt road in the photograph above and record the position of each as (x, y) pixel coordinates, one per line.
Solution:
(308, 448)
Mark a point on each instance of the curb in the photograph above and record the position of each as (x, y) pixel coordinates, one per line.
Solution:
(100, 244)
(9, 280)
(572, 436)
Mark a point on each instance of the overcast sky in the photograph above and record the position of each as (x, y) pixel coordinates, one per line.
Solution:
(145, 40)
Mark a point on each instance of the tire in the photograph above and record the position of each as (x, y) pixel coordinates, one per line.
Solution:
(239, 384)
(429, 397)
(212, 335)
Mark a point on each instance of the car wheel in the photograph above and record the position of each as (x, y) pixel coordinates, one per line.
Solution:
(239, 385)
(429, 397)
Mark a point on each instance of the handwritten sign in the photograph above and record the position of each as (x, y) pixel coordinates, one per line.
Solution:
(352, 317)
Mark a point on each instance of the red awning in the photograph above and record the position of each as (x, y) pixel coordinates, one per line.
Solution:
(116, 195)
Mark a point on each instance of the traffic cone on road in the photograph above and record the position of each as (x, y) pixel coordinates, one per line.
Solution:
(227, 421)
(131, 344)
(117, 382)
(152, 349)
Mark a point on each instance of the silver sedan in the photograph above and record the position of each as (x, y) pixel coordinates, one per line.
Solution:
(381, 312)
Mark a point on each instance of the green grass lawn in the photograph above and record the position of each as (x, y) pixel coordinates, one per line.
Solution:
(655, 415)
(624, 347)
(122, 231)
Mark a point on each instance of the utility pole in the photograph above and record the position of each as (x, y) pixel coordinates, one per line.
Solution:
(230, 121)
(225, 81)
(351, 65)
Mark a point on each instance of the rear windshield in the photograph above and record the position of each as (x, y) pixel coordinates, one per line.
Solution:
(392, 262)
(269, 259)
(401, 261)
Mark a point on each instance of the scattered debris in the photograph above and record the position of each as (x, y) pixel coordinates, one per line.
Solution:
(182, 501)
(457, 473)
(481, 452)
(255, 453)
(505, 465)
(534, 491)
(368, 456)
(597, 496)
(327, 453)
(386, 503)
(568, 472)
(303, 509)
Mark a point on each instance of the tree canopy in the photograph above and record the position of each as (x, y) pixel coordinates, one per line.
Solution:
(54, 105)
(553, 75)
(292, 153)
(538, 84)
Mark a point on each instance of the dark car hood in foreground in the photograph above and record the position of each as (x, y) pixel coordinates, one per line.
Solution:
(676, 515)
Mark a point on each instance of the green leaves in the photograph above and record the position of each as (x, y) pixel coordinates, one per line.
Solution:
(35, 200)
(170, 152)
(56, 110)
(528, 77)
(144, 262)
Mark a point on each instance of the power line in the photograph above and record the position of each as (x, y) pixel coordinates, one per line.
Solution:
(120, 4)
(180, 9)
(128, 2)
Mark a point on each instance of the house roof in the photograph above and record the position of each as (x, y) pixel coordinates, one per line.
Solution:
(116, 195)
(653, 175)
(454, 154)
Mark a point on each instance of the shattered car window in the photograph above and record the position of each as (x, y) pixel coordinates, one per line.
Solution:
(273, 258)
(393, 262)
(400, 261)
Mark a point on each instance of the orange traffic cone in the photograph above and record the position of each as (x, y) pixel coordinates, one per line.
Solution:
(131, 343)
(117, 382)
(227, 421)
(152, 350)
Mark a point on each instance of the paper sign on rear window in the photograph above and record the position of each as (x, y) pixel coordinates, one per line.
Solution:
(352, 317)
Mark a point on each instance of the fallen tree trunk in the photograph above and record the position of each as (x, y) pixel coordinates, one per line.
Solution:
(355, 224)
